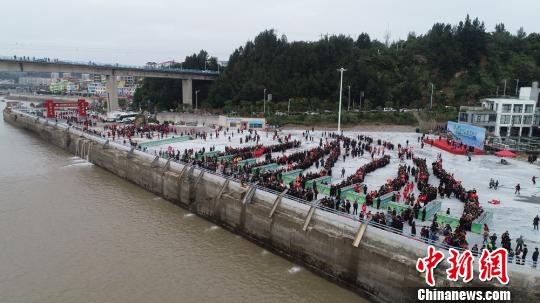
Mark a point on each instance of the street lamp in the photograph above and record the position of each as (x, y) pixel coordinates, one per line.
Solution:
(341, 70)
(196, 99)
(289, 107)
(264, 102)
(349, 104)
(517, 87)
(431, 98)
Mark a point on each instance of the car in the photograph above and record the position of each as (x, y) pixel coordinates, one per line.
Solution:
(128, 120)
(388, 109)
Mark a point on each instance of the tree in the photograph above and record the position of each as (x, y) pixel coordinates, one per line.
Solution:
(464, 61)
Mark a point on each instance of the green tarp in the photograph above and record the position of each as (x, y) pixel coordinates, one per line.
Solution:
(354, 196)
(432, 208)
(271, 166)
(247, 162)
(344, 190)
(207, 154)
(325, 179)
(385, 200)
(164, 141)
(225, 158)
(323, 189)
(444, 219)
(289, 176)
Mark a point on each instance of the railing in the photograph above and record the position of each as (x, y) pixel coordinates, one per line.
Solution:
(108, 65)
(387, 228)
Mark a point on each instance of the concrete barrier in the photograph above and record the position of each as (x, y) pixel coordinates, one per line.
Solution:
(381, 267)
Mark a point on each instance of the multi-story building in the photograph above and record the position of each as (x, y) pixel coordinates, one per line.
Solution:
(35, 81)
(96, 88)
(98, 78)
(58, 87)
(126, 91)
(72, 87)
(127, 80)
(506, 117)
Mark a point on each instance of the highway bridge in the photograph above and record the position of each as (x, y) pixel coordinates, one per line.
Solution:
(111, 71)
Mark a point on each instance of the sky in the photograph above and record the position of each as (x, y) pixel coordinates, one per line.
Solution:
(138, 31)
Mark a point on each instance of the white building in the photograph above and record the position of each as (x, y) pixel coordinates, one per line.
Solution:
(242, 123)
(96, 88)
(127, 80)
(167, 64)
(126, 91)
(506, 117)
(35, 81)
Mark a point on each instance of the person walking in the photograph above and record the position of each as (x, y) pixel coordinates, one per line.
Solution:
(536, 220)
(493, 239)
(355, 208)
(534, 180)
(518, 188)
(524, 254)
(519, 242)
(535, 257)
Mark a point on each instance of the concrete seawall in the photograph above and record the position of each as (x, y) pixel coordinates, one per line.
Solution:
(381, 268)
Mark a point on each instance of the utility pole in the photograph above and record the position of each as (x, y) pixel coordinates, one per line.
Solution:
(431, 98)
(349, 104)
(517, 87)
(341, 70)
(264, 102)
(504, 90)
(196, 99)
(289, 107)
(360, 103)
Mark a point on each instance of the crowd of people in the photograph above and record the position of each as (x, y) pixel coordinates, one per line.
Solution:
(324, 158)
(450, 185)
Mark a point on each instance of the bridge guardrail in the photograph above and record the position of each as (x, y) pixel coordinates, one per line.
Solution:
(108, 65)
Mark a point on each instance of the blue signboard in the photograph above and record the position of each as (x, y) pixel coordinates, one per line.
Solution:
(467, 134)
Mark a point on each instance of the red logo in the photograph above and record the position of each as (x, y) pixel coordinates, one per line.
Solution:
(493, 265)
(429, 263)
(460, 266)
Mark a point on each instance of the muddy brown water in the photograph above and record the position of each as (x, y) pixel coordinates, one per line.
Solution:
(73, 232)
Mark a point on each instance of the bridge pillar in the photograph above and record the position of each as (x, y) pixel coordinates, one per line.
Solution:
(187, 92)
(112, 92)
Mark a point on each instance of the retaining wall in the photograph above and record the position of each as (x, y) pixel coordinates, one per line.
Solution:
(381, 269)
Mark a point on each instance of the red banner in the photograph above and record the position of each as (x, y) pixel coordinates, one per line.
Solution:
(51, 107)
(49, 104)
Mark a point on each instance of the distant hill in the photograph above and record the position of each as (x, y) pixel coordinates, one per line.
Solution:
(464, 62)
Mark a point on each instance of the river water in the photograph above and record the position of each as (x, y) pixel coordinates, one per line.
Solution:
(72, 232)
